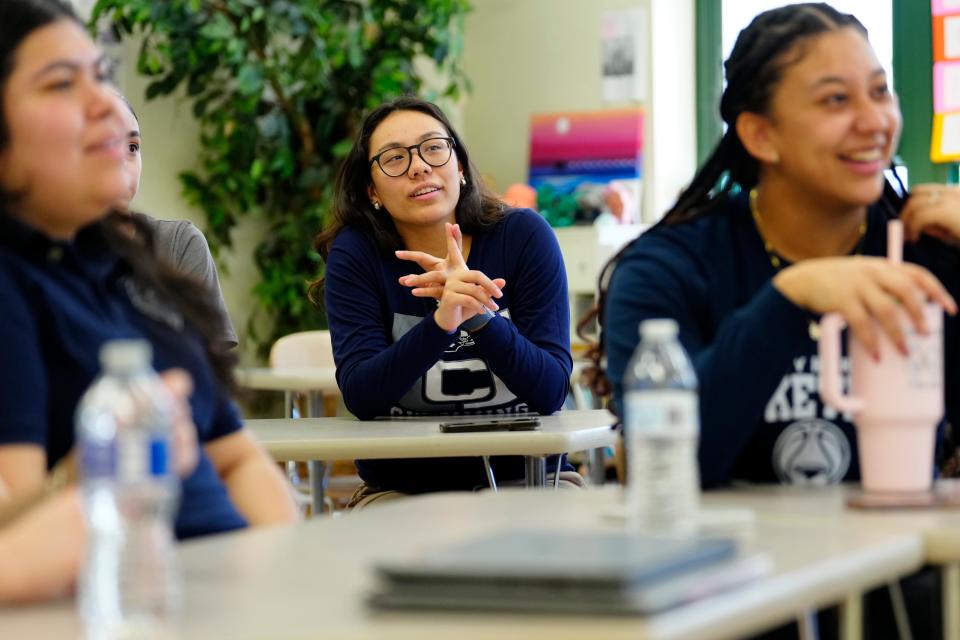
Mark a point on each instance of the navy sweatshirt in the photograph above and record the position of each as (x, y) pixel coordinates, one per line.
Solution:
(394, 360)
(762, 419)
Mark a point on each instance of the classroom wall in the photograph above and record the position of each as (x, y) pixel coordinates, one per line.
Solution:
(525, 57)
(533, 56)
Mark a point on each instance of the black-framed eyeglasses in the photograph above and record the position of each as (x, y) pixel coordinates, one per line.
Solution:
(395, 161)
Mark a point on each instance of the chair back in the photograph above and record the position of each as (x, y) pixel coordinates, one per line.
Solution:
(302, 349)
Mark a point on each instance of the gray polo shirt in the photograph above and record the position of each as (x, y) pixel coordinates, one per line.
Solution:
(182, 245)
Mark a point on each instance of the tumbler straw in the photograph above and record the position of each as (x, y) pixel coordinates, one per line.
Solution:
(895, 241)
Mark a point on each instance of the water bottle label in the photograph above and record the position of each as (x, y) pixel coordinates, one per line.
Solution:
(159, 457)
(142, 457)
(98, 460)
(668, 413)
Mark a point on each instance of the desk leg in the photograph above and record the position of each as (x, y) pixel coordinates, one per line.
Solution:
(596, 466)
(900, 615)
(319, 471)
(289, 411)
(315, 404)
(319, 475)
(807, 625)
(490, 477)
(951, 601)
(536, 471)
(851, 617)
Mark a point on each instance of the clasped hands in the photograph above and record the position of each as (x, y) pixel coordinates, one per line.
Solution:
(461, 293)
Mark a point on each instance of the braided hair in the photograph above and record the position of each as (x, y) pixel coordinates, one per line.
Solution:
(773, 41)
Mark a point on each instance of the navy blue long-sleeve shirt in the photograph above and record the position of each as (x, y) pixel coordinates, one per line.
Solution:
(761, 416)
(394, 360)
(61, 301)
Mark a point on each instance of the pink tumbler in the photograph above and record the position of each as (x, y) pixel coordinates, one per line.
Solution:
(896, 403)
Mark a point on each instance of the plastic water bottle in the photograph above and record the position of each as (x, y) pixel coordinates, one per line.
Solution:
(661, 426)
(130, 580)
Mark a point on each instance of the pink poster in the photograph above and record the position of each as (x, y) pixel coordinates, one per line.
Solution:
(946, 87)
(945, 137)
(944, 7)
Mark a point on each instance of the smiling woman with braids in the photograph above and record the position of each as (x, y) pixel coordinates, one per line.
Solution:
(785, 221)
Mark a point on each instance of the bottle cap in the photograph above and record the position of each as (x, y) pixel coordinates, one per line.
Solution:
(125, 355)
(658, 329)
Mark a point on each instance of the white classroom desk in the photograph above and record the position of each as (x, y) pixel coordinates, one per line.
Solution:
(316, 384)
(349, 438)
(305, 379)
(311, 580)
(320, 383)
(939, 528)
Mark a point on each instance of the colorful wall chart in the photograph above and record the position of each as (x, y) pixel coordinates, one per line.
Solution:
(567, 149)
(945, 142)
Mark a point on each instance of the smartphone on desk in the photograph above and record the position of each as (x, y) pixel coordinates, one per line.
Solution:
(526, 423)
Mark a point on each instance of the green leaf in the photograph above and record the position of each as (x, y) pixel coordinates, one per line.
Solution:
(217, 29)
(250, 80)
(342, 148)
(256, 169)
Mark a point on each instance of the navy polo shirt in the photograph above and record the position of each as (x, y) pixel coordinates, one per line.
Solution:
(59, 303)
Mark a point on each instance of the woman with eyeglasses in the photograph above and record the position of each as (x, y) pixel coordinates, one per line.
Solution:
(440, 300)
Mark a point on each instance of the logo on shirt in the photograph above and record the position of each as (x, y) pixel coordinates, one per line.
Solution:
(797, 396)
(811, 452)
(146, 301)
(812, 449)
(459, 382)
(463, 341)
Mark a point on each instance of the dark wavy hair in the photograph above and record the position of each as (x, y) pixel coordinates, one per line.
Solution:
(477, 209)
(772, 42)
(128, 236)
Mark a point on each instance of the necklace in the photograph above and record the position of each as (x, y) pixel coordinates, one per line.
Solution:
(775, 258)
(813, 327)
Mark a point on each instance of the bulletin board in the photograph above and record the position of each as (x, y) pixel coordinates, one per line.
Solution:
(945, 143)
